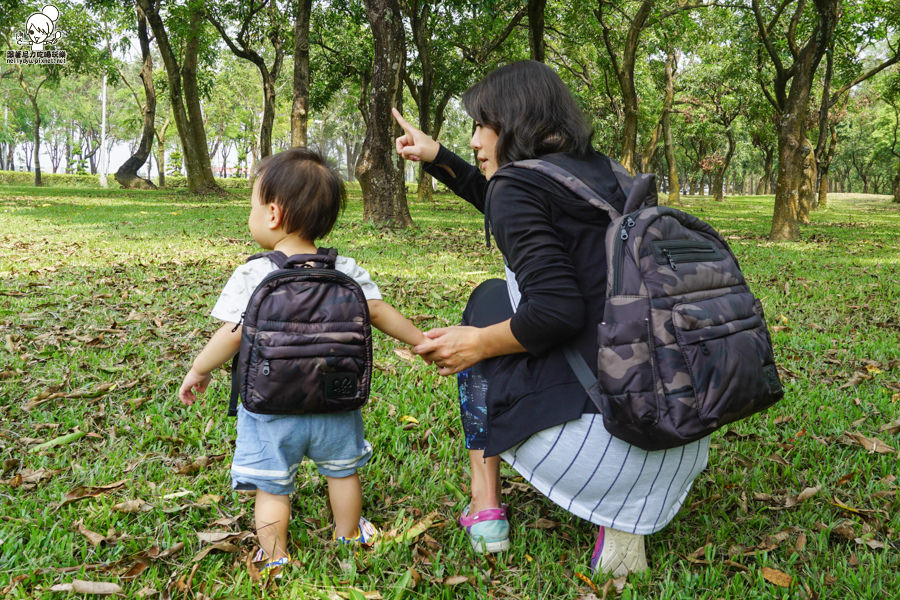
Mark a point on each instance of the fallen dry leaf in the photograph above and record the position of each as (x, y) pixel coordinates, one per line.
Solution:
(13, 583)
(83, 492)
(808, 493)
(857, 511)
(198, 464)
(97, 588)
(211, 537)
(132, 506)
(777, 459)
(588, 581)
(92, 536)
(892, 428)
(543, 523)
(779, 578)
(870, 444)
(405, 353)
(455, 579)
(226, 543)
(45, 396)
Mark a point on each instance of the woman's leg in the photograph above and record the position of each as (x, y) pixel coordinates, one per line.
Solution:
(485, 518)
(485, 481)
(489, 304)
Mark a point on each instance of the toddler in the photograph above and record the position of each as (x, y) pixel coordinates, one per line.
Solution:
(296, 200)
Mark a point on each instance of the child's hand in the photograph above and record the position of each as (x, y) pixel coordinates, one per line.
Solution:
(193, 381)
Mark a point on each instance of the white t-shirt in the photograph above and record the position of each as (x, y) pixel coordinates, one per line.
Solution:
(236, 294)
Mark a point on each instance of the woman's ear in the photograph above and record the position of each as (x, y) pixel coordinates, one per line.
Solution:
(274, 215)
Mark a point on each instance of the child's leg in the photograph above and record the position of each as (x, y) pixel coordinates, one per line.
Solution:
(273, 513)
(345, 497)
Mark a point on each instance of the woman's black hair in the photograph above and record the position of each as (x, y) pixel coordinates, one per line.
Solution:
(531, 110)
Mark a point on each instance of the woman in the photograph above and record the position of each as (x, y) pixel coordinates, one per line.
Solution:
(519, 399)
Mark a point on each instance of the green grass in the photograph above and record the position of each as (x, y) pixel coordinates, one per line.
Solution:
(104, 301)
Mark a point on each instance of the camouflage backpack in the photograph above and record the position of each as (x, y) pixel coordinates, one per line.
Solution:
(306, 342)
(683, 345)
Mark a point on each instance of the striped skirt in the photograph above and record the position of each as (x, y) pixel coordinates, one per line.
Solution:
(600, 478)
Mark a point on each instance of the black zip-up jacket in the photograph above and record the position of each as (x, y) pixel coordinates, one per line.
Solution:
(554, 244)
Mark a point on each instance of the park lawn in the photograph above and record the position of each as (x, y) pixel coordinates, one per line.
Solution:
(104, 301)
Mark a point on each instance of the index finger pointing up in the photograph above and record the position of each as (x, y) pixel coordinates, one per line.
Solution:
(403, 123)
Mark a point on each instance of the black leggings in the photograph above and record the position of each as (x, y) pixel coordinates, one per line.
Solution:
(489, 304)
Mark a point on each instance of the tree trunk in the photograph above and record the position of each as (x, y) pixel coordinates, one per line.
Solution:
(384, 192)
(185, 99)
(161, 153)
(765, 184)
(625, 74)
(785, 223)
(824, 167)
(792, 106)
(668, 142)
(127, 175)
(37, 144)
(536, 29)
(896, 187)
(300, 106)
(246, 48)
(719, 178)
(806, 192)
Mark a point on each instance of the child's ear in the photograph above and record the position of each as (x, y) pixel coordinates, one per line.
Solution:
(275, 215)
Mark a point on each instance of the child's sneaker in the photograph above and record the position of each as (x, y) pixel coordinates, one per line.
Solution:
(618, 553)
(274, 568)
(365, 535)
(488, 529)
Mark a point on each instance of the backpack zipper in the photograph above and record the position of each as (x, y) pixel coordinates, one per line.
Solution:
(682, 251)
(627, 223)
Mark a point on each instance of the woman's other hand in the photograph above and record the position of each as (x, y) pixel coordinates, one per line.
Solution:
(452, 349)
(414, 144)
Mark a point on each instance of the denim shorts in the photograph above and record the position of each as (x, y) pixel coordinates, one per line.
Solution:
(269, 448)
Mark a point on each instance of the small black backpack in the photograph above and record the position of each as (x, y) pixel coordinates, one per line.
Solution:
(306, 342)
(683, 345)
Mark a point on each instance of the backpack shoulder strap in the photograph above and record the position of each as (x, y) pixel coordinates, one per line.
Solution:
(275, 256)
(323, 259)
(571, 182)
(626, 181)
(235, 388)
(642, 193)
(564, 178)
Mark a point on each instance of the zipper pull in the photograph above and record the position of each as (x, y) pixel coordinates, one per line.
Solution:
(704, 349)
(238, 324)
(266, 370)
(629, 222)
(623, 233)
(668, 256)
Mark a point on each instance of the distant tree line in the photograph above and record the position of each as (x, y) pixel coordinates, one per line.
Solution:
(791, 98)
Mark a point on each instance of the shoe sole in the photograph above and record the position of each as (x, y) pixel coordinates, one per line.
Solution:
(482, 547)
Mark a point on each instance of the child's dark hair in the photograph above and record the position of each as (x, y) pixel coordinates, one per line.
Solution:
(311, 195)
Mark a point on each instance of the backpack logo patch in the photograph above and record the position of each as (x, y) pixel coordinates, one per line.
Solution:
(340, 385)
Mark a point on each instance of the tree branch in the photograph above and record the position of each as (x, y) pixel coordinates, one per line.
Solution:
(767, 40)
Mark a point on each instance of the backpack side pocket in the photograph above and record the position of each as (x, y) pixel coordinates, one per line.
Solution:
(625, 367)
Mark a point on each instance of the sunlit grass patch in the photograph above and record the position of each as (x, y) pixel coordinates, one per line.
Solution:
(104, 301)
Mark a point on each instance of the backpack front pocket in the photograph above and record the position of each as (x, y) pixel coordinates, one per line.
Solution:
(295, 373)
(727, 353)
